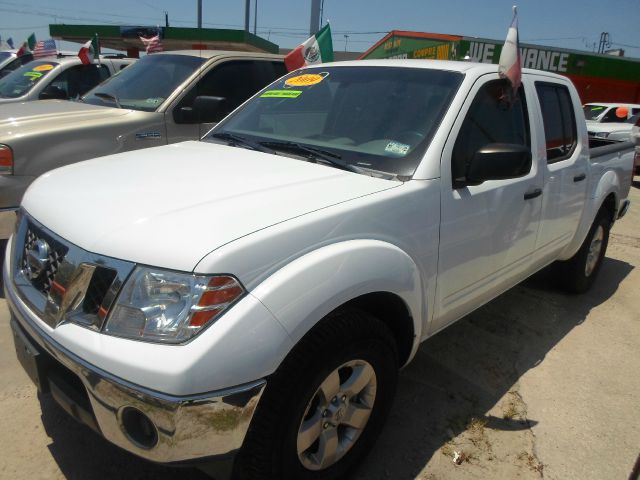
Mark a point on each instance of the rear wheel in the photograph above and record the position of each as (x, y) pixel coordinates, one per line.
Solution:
(323, 409)
(579, 272)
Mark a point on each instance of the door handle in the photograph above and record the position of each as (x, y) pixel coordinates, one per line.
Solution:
(536, 192)
(579, 178)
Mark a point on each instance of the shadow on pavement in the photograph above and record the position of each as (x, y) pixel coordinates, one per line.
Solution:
(465, 370)
(458, 374)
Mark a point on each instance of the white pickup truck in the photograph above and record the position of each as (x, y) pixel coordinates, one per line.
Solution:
(247, 300)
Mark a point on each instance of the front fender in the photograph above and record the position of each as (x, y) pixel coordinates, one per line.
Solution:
(307, 289)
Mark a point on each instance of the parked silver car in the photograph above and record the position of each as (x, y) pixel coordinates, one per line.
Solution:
(61, 78)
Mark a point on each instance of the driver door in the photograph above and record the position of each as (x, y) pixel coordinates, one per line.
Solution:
(488, 231)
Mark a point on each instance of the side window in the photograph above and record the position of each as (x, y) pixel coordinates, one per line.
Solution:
(78, 80)
(491, 119)
(613, 115)
(559, 120)
(236, 81)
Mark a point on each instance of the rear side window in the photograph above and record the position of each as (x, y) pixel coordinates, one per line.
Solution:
(559, 119)
(79, 79)
(491, 119)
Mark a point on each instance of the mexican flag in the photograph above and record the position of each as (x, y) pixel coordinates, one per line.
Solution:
(28, 46)
(90, 51)
(317, 49)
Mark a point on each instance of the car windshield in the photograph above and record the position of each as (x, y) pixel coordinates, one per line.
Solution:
(22, 80)
(145, 84)
(4, 56)
(591, 112)
(367, 119)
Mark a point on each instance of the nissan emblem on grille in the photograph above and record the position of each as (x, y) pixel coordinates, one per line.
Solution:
(37, 258)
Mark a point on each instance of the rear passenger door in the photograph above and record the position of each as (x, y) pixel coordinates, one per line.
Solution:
(235, 80)
(565, 169)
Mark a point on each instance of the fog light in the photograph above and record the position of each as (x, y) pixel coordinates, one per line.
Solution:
(138, 428)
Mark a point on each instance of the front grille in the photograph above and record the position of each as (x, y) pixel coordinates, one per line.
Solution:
(56, 255)
(61, 281)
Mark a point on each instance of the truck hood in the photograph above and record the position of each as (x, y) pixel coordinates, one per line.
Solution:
(170, 206)
(23, 118)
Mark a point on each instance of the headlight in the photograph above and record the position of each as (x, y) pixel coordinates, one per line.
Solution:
(6, 160)
(169, 307)
(602, 134)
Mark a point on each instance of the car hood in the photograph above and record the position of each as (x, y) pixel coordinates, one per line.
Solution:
(170, 206)
(17, 119)
(610, 127)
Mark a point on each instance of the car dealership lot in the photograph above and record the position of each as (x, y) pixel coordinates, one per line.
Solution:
(536, 382)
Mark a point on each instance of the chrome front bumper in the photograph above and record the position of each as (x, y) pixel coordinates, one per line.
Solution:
(187, 429)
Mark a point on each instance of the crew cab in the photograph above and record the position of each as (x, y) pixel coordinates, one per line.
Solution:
(57, 77)
(248, 299)
(162, 98)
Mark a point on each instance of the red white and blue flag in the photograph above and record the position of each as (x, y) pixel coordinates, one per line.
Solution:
(46, 48)
(510, 66)
(152, 45)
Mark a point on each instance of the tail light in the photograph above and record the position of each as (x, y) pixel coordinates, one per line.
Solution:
(6, 160)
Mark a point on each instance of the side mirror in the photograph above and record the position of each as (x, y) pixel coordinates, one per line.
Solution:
(53, 93)
(205, 109)
(498, 161)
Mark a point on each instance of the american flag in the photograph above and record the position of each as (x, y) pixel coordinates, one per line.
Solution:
(45, 48)
(153, 44)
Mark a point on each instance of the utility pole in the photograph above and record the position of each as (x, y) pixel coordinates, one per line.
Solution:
(166, 18)
(247, 12)
(314, 24)
(199, 13)
(346, 42)
(605, 42)
(255, 18)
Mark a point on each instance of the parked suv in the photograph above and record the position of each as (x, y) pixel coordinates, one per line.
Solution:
(61, 78)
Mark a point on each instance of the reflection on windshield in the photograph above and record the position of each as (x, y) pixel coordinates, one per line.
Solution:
(592, 112)
(23, 79)
(145, 84)
(381, 119)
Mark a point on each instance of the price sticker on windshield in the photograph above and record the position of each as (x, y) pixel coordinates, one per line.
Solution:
(281, 94)
(33, 75)
(43, 68)
(305, 80)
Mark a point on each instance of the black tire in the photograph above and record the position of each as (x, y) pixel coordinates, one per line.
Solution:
(572, 274)
(270, 449)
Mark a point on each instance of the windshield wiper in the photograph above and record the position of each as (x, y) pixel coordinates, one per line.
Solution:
(313, 154)
(108, 96)
(233, 138)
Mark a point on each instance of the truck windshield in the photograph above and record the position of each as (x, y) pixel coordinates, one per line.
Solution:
(364, 118)
(146, 84)
(591, 112)
(22, 80)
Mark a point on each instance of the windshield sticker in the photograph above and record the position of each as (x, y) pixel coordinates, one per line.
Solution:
(281, 94)
(397, 148)
(43, 68)
(33, 75)
(154, 100)
(305, 80)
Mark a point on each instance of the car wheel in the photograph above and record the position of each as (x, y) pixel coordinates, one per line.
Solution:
(325, 406)
(579, 272)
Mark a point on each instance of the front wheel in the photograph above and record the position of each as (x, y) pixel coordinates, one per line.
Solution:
(325, 406)
(579, 272)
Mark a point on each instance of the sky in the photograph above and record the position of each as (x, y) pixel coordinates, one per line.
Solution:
(575, 24)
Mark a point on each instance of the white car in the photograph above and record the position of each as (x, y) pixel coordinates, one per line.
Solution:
(253, 295)
(609, 112)
(617, 131)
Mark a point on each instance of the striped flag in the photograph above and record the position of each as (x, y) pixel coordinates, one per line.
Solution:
(45, 48)
(316, 49)
(152, 45)
(509, 66)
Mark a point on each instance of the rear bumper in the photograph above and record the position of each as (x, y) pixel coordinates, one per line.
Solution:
(209, 426)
